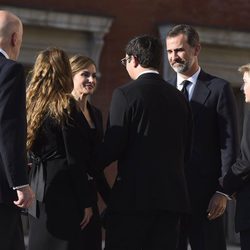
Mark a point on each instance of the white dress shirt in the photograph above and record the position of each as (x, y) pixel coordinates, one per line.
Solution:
(4, 53)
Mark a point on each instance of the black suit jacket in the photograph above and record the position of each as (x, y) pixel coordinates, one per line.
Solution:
(238, 178)
(92, 138)
(149, 133)
(215, 140)
(63, 149)
(65, 152)
(12, 129)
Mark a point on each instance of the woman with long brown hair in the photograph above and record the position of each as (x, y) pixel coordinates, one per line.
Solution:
(58, 174)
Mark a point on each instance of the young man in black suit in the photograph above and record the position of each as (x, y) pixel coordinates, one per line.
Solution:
(237, 179)
(149, 133)
(215, 141)
(15, 192)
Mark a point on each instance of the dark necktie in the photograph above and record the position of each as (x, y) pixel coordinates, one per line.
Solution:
(184, 89)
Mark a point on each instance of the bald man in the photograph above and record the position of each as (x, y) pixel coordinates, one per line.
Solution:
(15, 192)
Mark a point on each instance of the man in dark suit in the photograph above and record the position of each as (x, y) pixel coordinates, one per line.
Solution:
(15, 192)
(237, 179)
(215, 140)
(149, 134)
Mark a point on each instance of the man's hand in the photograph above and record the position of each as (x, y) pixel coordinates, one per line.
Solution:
(25, 197)
(217, 206)
(87, 216)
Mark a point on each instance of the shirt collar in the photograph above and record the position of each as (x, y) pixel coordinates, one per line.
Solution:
(148, 71)
(192, 79)
(4, 53)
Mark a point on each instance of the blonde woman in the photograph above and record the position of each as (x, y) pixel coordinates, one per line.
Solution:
(58, 174)
(90, 120)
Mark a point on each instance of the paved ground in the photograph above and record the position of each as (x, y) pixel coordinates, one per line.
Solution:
(233, 247)
(229, 247)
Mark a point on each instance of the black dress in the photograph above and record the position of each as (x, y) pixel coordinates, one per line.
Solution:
(67, 193)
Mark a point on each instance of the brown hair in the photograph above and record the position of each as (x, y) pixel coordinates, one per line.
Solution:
(79, 62)
(49, 90)
(187, 30)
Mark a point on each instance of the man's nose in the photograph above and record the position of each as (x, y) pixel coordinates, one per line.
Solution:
(175, 55)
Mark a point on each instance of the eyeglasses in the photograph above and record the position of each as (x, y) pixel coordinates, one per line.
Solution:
(124, 60)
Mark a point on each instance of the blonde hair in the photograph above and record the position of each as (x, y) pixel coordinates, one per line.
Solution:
(80, 62)
(48, 90)
(244, 68)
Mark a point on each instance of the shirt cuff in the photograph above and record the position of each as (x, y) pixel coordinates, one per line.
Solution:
(18, 187)
(227, 196)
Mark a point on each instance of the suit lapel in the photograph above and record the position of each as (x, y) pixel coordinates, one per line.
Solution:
(84, 123)
(93, 115)
(200, 94)
(97, 119)
(81, 121)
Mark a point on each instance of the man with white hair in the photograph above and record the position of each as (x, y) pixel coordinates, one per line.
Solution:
(15, 192)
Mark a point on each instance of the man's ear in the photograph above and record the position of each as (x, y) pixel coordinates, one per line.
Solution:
(197, 49)
(135, 61)
(13, 39)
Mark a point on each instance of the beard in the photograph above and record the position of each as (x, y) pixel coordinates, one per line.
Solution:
(182, 66)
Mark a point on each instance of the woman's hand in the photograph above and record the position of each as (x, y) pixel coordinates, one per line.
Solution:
(87, 216)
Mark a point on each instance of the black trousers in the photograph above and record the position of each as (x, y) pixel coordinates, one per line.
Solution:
(201, 233)
(155, 230)
(11, 230)
(245, 239)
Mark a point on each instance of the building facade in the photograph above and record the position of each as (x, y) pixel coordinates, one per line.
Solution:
(101, 29)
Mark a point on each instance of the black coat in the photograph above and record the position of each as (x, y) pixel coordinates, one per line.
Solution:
(92, 138)
(215, 140)
(13, 166)
(65, 151)
(237, 180)
(149, 133)
(67, 193)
